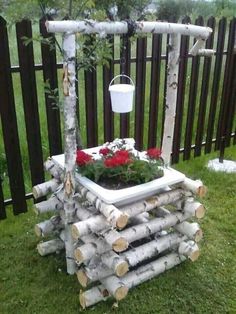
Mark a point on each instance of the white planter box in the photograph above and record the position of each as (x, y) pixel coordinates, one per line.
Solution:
(126, 195)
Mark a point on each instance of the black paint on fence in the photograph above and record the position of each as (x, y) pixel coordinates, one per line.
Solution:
(9, 126)
(30, 101)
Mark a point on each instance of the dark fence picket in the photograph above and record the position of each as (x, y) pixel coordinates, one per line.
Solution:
(192, 101)
(108, 116)
(90, 78)
(204, 91)
(216, 83)
(125, 66)
(30, 101)
(9, 126)
(2, 206)
(154, 89)
(50, 75)
(184, 47)
(140, 91)
(226, 114)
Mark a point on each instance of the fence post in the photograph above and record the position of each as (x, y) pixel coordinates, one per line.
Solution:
(30, 101)
(204, 91)
(9, 126)
(2, 206)
(90, 79)
(140, 91)
(125, 55)
(108, 116)
(226, 112)
(154, 89)
(192, 101)
(50, 74)
(215, 84)
(184, 46)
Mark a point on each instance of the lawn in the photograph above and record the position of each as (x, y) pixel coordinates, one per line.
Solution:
(33, 284)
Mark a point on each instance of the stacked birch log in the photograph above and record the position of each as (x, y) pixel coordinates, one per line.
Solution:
(120, 248)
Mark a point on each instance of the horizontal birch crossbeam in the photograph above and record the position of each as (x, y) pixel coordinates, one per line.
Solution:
(90, 27)
(132, 258)
(191, 230)
(97, 223)
(193, 209)
(45, 188)
(50, 205)
(113, 215)
(130, 280)
(49, 226)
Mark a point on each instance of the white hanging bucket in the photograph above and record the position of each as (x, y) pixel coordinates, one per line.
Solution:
(122, 95)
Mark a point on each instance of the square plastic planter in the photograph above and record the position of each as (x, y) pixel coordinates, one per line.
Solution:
(126, 195)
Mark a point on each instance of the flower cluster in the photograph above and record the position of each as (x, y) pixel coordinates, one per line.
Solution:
(119, 161)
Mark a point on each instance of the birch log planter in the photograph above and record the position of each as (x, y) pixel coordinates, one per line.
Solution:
(108, 243)
(119, 245)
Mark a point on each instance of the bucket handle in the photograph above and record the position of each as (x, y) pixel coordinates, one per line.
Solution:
(120, 76)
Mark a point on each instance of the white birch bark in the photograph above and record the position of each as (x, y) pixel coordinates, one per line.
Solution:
(53, 169)
(132, 257)
(47, 227)
(90, 27)
(157, 224)
(114, 216)
(115, 286)
(70, 146)
(98, 223)
(189, 249)
(206, 52)
(171, 97)
(91, 225)
(49, 247)
(45, 188)
(194, 208)
(199, 44)
(195, 187)
(116, 263)
(93, 245)
(52, 204)
(115, 240)
(154, 201)
(191, 230)
(158, 245)
(86, 275)
(133, 278)
(139, 219)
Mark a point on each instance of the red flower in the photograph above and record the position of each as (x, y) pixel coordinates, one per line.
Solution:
(104, 151)
(122, 153)
(82, 158)
(117, 160)
(154, 153)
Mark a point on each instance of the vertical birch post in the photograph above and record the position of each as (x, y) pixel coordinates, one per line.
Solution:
(171, 97)
(69, 51)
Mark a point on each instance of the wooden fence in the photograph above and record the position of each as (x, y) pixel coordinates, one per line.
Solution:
(205, 117)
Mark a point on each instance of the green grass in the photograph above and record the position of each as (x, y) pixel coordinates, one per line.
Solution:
(33, 284)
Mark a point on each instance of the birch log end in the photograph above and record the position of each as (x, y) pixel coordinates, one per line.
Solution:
(121, 269)
(122, 221)
(120, 245)
(82, 278)
(189, 249)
